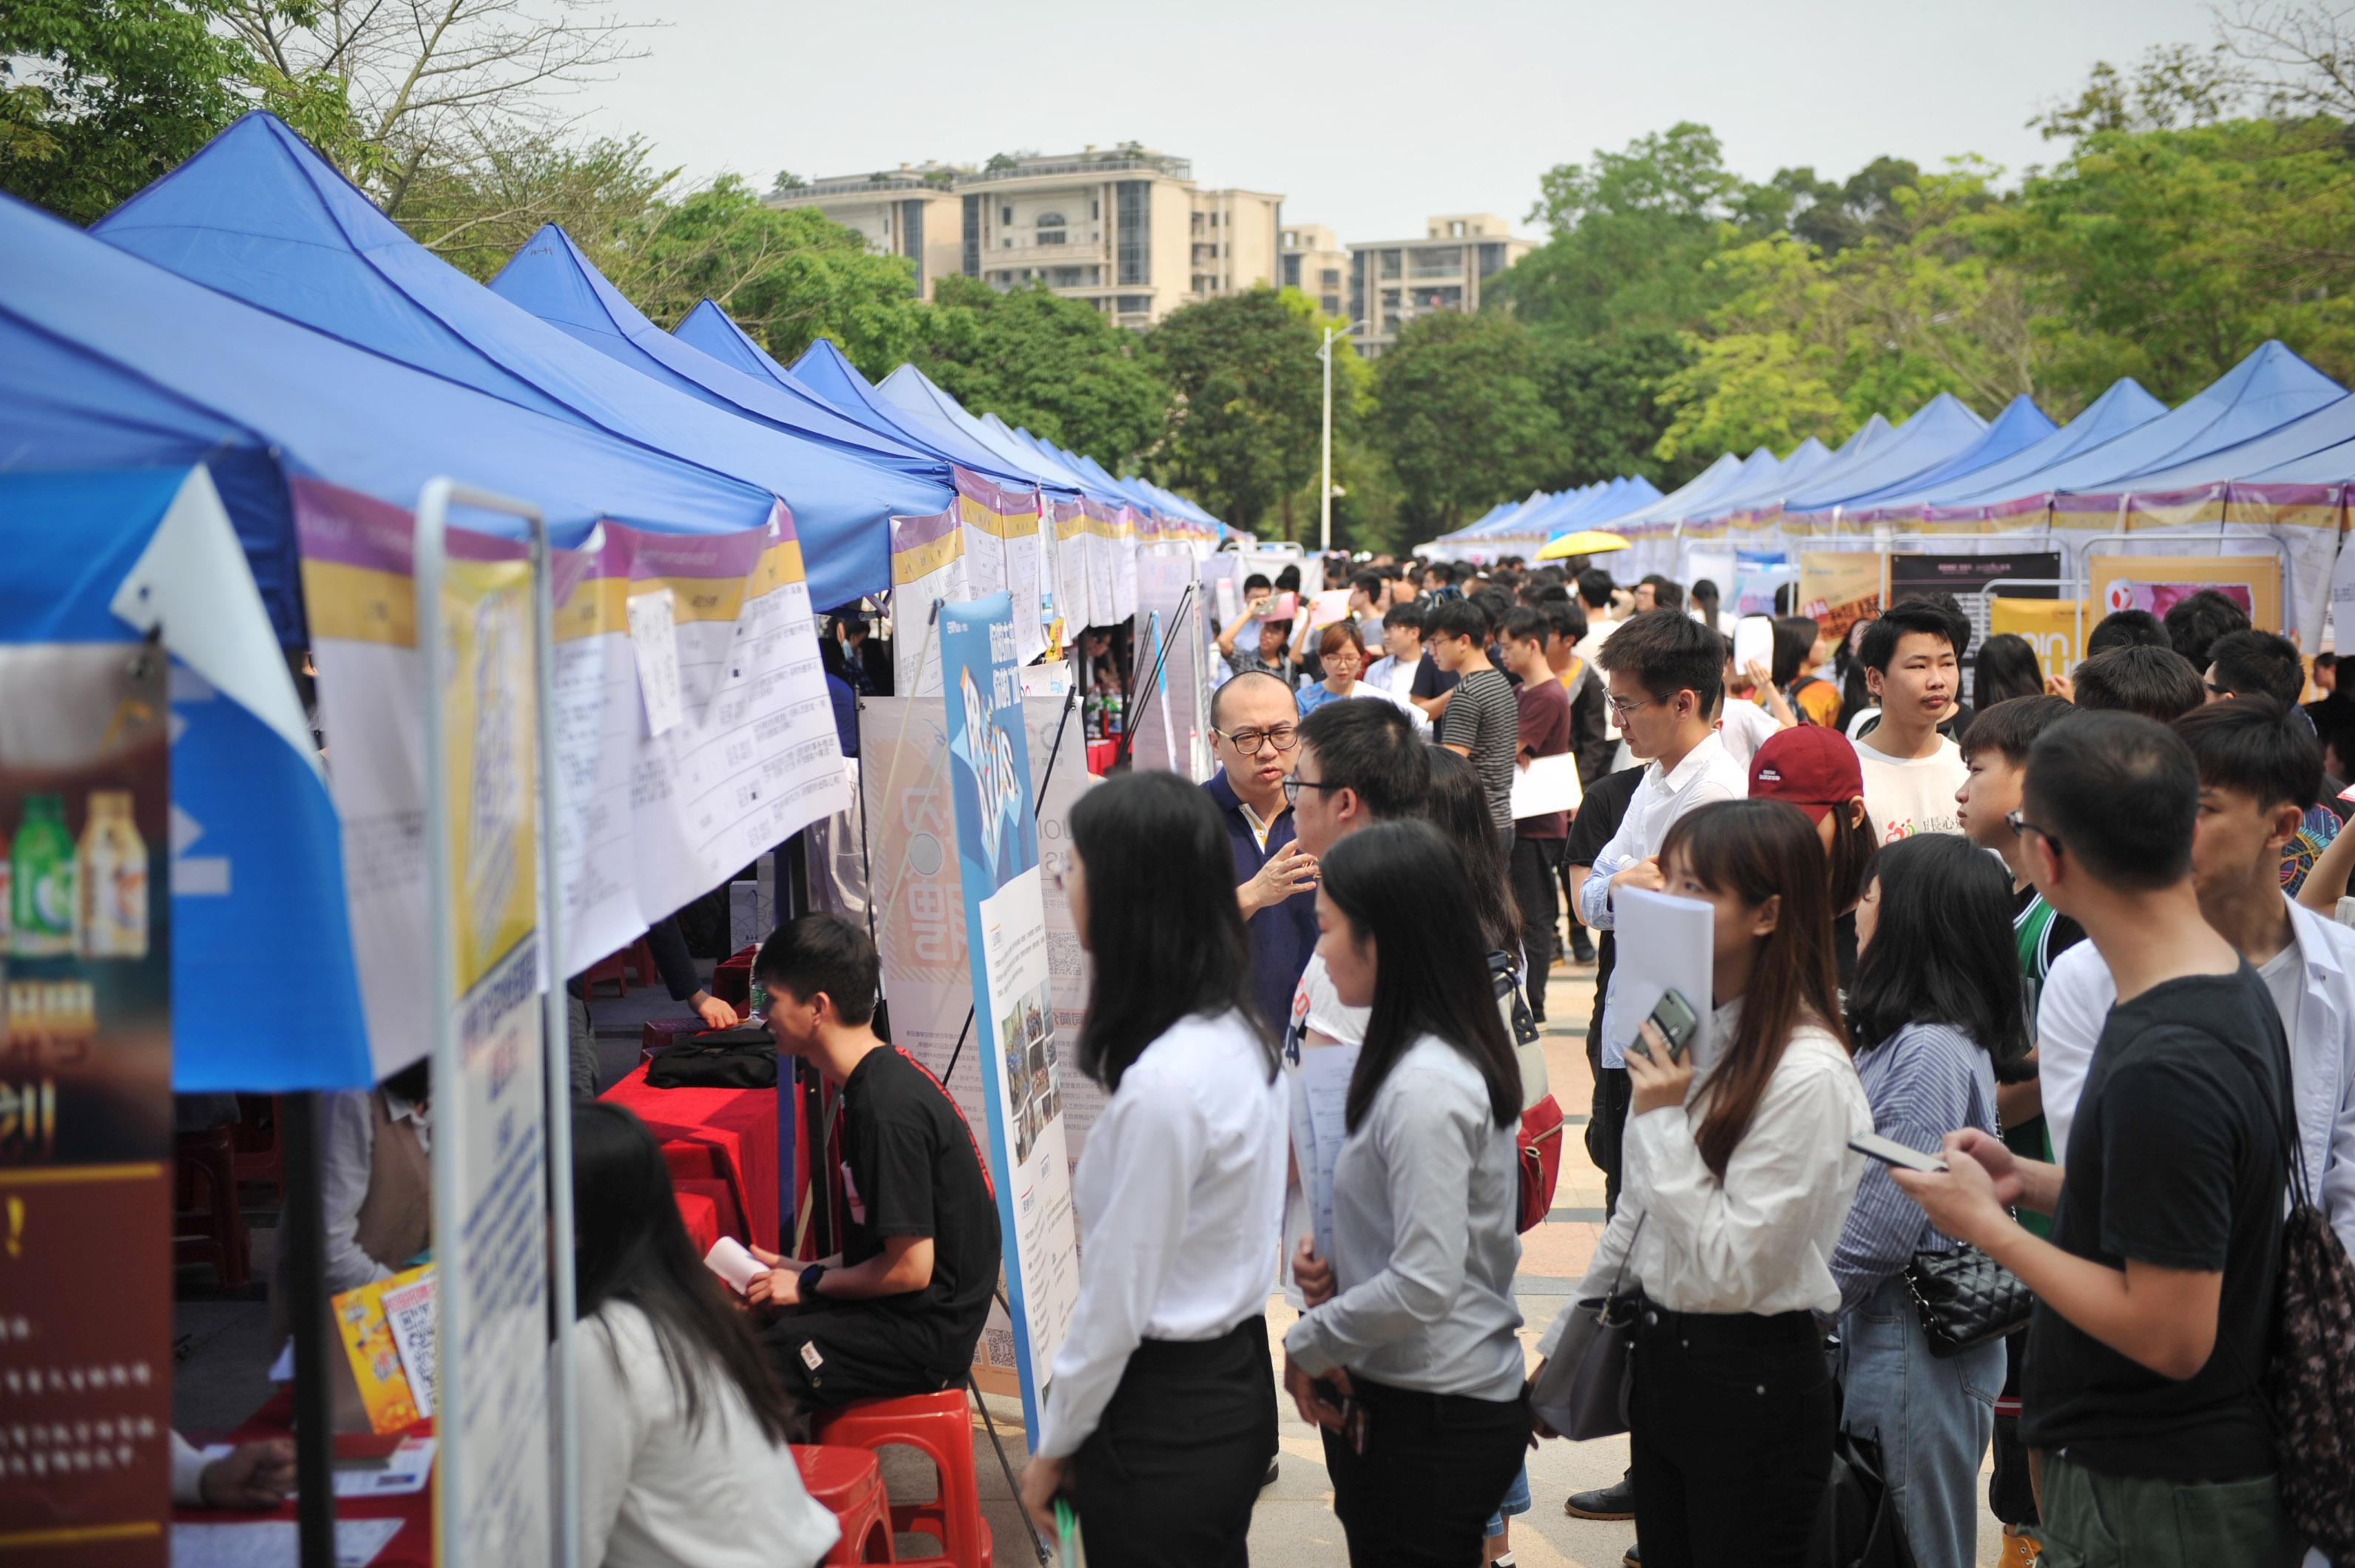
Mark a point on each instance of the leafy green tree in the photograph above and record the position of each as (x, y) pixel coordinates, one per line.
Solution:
(1461, 416)
(99, 97)
(2167, 255)
(1248, 403)
(474, 214)
(1605, 392)
(2175, 85)
(1052, 365)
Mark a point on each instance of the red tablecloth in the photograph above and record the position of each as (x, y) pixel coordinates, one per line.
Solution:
(413, 1547)
(701, 1216)
(1100, 755)
(729, 1134)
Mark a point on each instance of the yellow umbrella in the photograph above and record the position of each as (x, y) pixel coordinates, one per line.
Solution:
(1586, 541)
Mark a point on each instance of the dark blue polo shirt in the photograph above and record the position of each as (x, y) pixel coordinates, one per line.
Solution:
(1282, 937)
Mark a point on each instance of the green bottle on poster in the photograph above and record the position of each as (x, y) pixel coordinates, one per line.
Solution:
(41, 882)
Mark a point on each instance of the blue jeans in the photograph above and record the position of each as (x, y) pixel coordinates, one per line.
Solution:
(1933, 1415)
(1517, 1500)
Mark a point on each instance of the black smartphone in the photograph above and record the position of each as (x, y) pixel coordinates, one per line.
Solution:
(1888, 1151)
(1675, 1020)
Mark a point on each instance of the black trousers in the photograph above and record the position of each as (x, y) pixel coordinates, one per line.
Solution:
(1168, 1477)
(1435, 1469)
(1606, 1120)
(1731, 1438)
(1537, 880)
(828, 1355)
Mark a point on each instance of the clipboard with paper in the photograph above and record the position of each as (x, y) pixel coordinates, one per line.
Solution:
(1320, 1098)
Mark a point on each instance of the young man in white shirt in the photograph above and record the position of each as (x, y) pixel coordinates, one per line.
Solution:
(2258, 771)
(1911, 771)
(1665, 676)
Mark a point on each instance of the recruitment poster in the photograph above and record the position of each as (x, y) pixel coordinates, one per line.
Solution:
(1839, 588)
(2055, 628)
(1971, 578)
(2159, 582)
(85, 1104)
(1014, 1027)
(489, 1154)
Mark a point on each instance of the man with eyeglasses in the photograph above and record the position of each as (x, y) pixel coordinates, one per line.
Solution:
(1256, 723)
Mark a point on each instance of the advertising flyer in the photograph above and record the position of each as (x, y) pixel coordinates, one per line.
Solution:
(86, 1128)
(2158, 582)
(1839, 588)
(1014, 1009)
(2055, 628)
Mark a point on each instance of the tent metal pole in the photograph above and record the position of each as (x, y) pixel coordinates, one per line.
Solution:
(315, 1419)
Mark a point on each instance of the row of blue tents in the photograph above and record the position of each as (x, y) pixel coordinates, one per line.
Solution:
(2272, 435)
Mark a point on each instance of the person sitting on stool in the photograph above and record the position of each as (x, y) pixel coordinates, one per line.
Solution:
(903, 1312)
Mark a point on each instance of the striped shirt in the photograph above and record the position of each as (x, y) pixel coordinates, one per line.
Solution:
(1922, 1082)
(1485, 718)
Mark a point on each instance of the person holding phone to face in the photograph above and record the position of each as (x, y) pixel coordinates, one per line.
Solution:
(1738, 1178)
(1938, 1002)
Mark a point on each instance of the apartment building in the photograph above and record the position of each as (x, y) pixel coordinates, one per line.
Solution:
(1316, 264)
(1392, 281)
(1127, 228)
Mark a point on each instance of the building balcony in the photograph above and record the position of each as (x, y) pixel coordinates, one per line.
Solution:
(1083, 254)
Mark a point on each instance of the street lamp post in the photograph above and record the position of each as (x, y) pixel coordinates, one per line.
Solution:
(1325, 489)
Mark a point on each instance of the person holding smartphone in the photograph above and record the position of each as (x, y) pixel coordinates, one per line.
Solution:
(1738, 1178)
(1407, 1355)
(1938, 1002)
(1161, 1412)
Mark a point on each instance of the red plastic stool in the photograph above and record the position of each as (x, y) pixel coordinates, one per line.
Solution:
(940, 1427)
(848, 1483)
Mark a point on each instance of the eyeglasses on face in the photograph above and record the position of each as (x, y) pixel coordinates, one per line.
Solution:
(1624, 705)
(1293, 786)
(1283, 737)
(2019, 825)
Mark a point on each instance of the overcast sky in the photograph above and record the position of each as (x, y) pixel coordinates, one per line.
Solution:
(1368, 116)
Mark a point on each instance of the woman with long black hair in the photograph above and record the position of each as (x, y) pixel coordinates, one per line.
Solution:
(1938, 999)
(1407, 1355)
(684, 1457)
(1738, 1177)
(1160, 1416)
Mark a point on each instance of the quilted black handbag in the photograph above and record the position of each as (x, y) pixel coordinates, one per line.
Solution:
(1966, 1299)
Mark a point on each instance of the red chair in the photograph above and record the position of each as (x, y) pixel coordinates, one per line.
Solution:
(213, 1230)
(848, 1483)
(940, 1427)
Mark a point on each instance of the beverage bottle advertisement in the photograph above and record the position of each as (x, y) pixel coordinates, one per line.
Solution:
(85, 1105)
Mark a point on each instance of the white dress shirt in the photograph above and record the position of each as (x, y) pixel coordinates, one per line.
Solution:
(656, 1490)
(2075, 1003)
(1762, 1239)
(1706, 773)
(1745, 728)
(1181, 1201)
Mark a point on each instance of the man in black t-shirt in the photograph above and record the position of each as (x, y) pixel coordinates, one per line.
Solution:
(2154, 1295)
(901, 1313)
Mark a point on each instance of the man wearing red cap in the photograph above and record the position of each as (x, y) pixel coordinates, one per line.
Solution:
(1815, 769)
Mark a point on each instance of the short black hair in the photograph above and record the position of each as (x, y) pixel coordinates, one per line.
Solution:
(2259, 664)
(2126, 629)
(2325, 661)
(2012, 726)
(1567, 620)
(1369, 583)
(1907, 617)
(1594, 587)
(1666, 594)
(2157, 683)
(1704, 592)
(1544, 593)
(2194, 623)
(1287, 581)
(1414, 615)
(1257, 580)
(1457, 618)
(1370, 749)
(2120, 793)
(822, 952)
(2254, 745)
(1441, 569)
(1667, 651)
(1523, 625)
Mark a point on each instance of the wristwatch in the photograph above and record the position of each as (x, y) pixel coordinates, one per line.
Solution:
(810, 1277)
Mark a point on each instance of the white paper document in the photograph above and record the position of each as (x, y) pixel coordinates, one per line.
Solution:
(1548, 785)
(1320, 1099)
(730, 1262)
(272, 1543)
(654, 631)
(1664, 943)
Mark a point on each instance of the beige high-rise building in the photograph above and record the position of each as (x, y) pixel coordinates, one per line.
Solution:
(1126, 228)
(1392, 281)
(1316, 264)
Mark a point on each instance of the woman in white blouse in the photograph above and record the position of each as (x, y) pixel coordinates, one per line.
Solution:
(1409, 1355)
(1161, 1411)
(684, 1457)
(1737, 1179)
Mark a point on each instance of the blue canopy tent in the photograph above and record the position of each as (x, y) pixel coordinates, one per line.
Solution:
(1933, 433)
(2123, 407)
(1765, 484)
(914, 397)
(2284, 446)
(824, 368)
(108, 362)
(257, 214)
(2270, 388)
(2022, 423)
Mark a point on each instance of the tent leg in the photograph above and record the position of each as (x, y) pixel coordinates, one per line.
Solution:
(1012, 1485)
(304, 1239)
